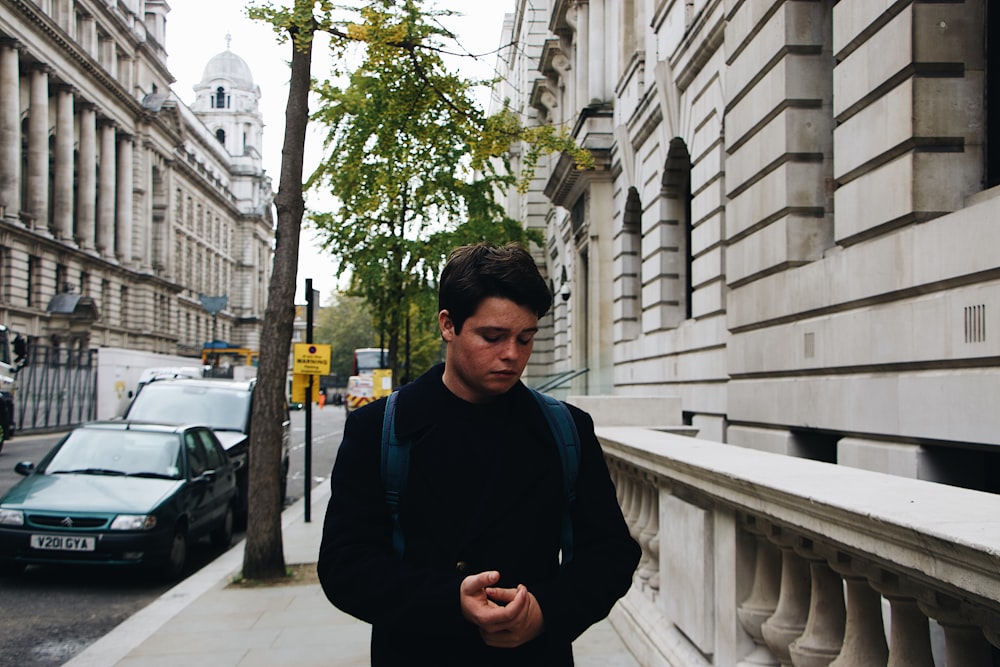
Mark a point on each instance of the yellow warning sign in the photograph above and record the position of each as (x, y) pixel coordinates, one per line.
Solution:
(311, 359)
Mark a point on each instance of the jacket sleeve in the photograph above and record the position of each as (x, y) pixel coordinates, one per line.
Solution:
(604, 554)
(357, 568)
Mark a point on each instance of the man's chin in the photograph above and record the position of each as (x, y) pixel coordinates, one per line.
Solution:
(500, 384)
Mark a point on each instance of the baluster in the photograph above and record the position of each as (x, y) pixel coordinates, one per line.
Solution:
(645, 568)
(909, 630)
(820, 643)
(910, 636)
(864, 634)
(965, 643)
(630, 504)
(789, 618)
(761, 603)
(652, 532)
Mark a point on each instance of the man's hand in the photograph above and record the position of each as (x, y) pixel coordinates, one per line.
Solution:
(506, 617)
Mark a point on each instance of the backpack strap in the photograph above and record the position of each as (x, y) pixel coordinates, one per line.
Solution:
(395, 469)
(568, 443)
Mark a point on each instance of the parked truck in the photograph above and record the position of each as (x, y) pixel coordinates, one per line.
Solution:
(371, 377)
(12, 356)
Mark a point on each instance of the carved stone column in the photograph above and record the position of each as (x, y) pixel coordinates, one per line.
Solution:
(62, 194)
(106, 191)
(789, 618)
(761, 603)
(10, 132)
(37, 203)
(124, 185)
(582, 56)
(597, 60)
(86, 209)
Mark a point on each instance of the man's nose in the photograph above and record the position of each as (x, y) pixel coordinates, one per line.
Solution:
(509, 349)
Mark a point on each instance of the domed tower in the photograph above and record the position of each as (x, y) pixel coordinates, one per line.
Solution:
(227, 101)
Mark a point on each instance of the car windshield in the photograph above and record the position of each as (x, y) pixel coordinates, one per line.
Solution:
(220, 408)
(113, 452)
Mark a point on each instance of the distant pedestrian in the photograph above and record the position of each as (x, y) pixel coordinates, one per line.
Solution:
(322, 399)
(476, 579)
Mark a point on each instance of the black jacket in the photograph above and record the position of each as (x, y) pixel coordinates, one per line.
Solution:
(484, 492)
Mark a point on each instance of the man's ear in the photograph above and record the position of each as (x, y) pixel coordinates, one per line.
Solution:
(446, 325)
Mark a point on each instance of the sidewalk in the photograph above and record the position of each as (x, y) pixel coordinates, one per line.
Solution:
(201, 622)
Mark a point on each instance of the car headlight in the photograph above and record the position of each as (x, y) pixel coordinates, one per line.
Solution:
(11, 517)
(133, 522)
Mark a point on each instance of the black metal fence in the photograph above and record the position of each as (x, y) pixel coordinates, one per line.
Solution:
(56, 388)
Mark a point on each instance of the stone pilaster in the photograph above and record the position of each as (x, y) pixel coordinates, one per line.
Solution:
(106, 191)
(124, 184)
(62, 195)
(38, 150)
(10, 132)
(86, 210)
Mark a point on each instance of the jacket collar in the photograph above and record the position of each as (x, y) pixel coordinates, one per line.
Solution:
(421, 402)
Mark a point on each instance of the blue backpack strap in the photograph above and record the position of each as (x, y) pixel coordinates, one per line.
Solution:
(568, 442)
(395, 469)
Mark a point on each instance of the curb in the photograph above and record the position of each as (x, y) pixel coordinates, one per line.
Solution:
(133, 631)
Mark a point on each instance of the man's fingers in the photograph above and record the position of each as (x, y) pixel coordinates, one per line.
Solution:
(476, 584)
(502, 596)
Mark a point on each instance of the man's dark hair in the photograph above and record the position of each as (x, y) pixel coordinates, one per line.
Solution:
(476, 272)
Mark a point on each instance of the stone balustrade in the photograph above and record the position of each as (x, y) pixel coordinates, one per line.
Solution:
(753, 559)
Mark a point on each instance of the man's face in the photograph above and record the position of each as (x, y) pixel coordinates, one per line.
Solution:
(488, 357)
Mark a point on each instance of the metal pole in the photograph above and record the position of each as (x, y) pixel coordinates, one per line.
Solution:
(308, 406)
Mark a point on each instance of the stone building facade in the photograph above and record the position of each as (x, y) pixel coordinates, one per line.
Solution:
(793, 222)
(120, 206)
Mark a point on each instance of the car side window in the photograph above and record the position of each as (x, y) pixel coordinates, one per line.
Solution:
(213, 457)
(197, 463)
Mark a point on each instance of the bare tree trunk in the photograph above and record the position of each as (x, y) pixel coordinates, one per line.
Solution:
(264, 555)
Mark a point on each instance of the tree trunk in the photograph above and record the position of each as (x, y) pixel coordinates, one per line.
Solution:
(264, 555)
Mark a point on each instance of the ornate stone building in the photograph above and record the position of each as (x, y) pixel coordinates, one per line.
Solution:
(120, 206)
(793, 222)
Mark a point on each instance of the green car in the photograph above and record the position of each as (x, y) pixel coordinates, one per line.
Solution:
(120, 493)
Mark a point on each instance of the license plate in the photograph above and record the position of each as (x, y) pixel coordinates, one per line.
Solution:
(62, 543)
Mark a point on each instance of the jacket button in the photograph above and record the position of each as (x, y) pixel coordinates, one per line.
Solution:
(461, 567)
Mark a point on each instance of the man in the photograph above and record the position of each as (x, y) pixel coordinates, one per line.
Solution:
(479, 581)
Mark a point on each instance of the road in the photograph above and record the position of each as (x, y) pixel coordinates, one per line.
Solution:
(49, 614)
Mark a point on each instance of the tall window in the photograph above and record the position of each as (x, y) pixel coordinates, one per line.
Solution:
(4, 279)
(631, 259)
(220, 134)
(124, 307)
(34, 271)
(221, 100)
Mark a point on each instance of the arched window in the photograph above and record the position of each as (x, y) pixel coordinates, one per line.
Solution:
(220, 134)
(220, 98)
(630, 276)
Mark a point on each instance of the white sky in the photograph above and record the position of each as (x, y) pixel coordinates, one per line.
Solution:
(197, 29)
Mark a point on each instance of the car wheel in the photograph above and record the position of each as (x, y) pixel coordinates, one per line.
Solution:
(3, 427)
(176, 559)
(222, 536)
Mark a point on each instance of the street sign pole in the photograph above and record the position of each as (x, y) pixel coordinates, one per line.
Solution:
(308, 406)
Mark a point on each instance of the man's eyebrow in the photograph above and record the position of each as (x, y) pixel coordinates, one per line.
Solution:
(495, 329)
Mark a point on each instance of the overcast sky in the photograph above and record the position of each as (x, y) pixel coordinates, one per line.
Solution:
(197, 30)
